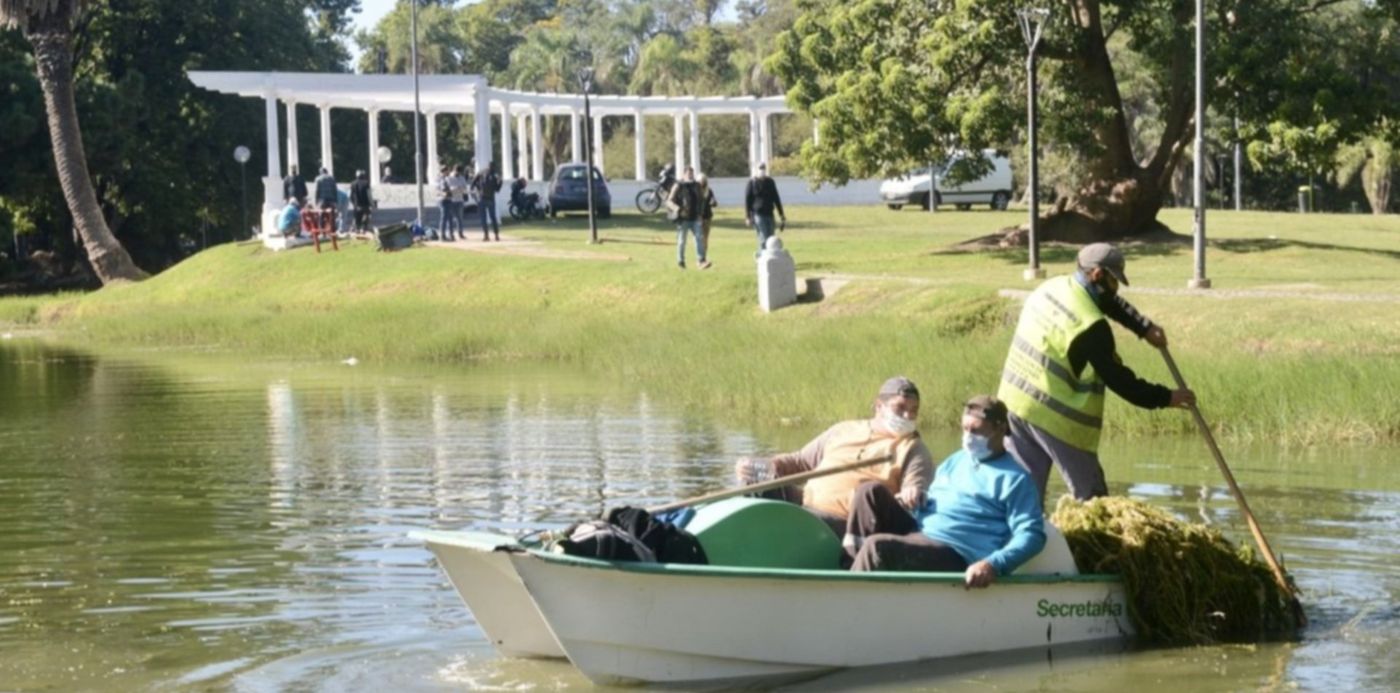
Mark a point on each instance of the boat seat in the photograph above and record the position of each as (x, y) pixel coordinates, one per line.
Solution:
(761, 533)
(1054, 559)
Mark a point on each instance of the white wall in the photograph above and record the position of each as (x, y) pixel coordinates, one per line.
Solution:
(729, 192)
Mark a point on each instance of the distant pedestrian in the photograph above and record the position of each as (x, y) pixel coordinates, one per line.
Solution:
(289, 219)
(293, 187)
(361, 200)
(487, 183)
(707, 207)
(685, 202)
(760, 200)
(325, 190)
(457, 191)
(444, 200)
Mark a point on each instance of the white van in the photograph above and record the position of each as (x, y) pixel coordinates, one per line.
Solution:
(993, 189)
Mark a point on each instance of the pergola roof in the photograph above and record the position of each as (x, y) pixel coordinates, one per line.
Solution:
(458, 94)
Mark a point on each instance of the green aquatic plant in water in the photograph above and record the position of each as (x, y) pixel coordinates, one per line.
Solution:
(1186, 583)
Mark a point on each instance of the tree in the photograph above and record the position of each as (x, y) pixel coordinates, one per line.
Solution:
(1375, 158)
(48, 26)
(899, 83)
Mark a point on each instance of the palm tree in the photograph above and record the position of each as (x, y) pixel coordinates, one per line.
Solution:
(1375, 159)
(48, 25)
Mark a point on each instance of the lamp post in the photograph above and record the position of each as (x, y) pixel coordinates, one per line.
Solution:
(585, 78)
(1198, 278)
(242, 154)
(417, 115)
(1032, 27)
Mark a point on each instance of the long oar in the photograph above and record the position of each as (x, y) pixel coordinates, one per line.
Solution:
(767, 485)
(1254, 528)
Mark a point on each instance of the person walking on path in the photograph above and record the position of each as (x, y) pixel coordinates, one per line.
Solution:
(685, 201)
(707, 207)
(760, 200)
(325, 190)
(1061, 358)
(294, 187)
(487, 183)
(361, 200)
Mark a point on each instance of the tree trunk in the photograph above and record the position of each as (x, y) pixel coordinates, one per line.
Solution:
(52, 38)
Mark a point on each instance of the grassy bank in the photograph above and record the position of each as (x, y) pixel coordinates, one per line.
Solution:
(1310, 356)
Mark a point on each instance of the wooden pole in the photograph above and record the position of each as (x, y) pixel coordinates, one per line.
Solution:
(1254, 528)
(767, 485)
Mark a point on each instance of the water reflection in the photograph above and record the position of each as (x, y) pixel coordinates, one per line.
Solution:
(198, 522)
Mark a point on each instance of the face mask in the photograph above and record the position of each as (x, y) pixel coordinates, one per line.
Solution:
(897, 424)
(976, 445)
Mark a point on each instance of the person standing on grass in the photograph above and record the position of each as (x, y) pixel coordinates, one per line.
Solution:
(443, 188)
(686, 202)
(760, 201)
(457, 188)
(1061, 358)
(294, 187)
(487, 183)
(361, 200)
(707, 207)
(325, 190)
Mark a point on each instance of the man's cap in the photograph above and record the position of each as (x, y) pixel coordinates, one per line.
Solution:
(763, 165)
(1106, 256)
(988, 407)
(899, 386)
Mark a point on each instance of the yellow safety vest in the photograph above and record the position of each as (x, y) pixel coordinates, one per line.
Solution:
(1038, 384)
(856, 441)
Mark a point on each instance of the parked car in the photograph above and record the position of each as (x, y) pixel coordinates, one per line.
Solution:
(568, 194)
(993, 188)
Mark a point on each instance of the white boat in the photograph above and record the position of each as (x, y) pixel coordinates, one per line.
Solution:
(628, 623)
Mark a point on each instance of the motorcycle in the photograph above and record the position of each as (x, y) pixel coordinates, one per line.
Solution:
(650, 198)
(525, 205)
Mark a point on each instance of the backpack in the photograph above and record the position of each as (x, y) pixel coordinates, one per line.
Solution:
(668, 542)
(602, 539)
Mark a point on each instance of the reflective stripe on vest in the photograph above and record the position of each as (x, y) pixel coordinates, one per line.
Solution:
(856, 441)
(1038, 384)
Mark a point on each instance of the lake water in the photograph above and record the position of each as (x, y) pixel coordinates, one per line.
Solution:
(191, 522)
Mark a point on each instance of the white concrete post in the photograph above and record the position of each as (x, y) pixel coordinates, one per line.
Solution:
(816, 131)
(292, 159)
(695, 141)
(522, 161)
(598, 145)
(639, 154)
(272, 184)
(765, 125)
(754, 150)
(536, 144)
(507, 154)
(680, 143)
(327, 160)
(431, 117)
(374, 165)
(481, 141)
(575, 136)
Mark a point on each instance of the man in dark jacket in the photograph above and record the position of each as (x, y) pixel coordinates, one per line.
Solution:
(1061, 358)
(487, 184)
(294, 188)
(685, 201)
(760, 200)
(325, 190)
(361, 200)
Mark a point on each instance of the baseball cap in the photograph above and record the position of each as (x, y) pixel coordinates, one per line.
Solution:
(1106, 256)
(988, 407)
(899, 386)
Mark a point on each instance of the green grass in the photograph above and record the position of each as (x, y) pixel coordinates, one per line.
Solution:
(1295, 369)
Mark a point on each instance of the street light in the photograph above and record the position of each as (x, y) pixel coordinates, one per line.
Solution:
(242, 154)
(585, 78)
(1198, 279)
(1032, 26)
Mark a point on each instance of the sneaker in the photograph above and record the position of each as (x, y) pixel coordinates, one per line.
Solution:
(680, 265)
(705, 265)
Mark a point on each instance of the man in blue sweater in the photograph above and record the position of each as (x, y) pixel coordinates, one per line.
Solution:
(983, 516)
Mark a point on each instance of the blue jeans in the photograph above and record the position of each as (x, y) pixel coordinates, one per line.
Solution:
(486, 209)
(446, 219)
(763, 225)
(693, 226)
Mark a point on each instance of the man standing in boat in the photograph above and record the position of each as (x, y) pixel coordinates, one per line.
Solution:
(890, 434)
(1061, 358)
(983, 516)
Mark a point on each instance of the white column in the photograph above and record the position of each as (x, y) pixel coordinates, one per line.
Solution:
(598, 145)
(507, 157)
(536, 144)
(522, 162)
(272, 184)
(639, 154)
(816, 131)
(755, 152)
(327, 161)
(481, 141)
(695, 141)
(575, 137)
(374, 165)
(765, 127)
(431, 118)
(680, 143)
(292, 159)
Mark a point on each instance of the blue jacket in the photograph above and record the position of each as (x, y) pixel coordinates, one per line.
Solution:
(289, 220)
(985, 510)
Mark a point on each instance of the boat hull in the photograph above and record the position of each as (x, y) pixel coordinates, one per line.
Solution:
(685, 625)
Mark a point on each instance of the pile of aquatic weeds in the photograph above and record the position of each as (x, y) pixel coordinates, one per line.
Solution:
(1186, 584)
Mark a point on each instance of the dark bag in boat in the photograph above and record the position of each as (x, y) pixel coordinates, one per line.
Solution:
(601, 539)
(668, 542)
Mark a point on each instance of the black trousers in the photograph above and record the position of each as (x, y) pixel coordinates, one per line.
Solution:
(889, 537)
